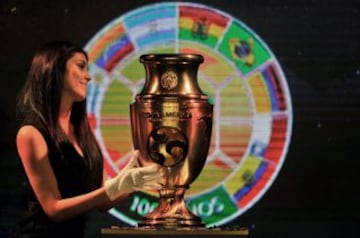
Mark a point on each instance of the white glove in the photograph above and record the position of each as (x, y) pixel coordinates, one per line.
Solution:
(133, 161)
(133, 178)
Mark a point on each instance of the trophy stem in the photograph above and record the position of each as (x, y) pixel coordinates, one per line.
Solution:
(172, 212)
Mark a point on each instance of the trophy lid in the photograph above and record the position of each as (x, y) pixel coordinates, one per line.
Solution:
(172, 58)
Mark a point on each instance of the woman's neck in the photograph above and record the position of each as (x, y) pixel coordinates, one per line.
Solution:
(64, 118)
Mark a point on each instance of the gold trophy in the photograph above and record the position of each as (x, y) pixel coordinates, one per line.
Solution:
(171, 122)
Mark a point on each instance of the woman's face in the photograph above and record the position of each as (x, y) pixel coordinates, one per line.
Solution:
(76, 78)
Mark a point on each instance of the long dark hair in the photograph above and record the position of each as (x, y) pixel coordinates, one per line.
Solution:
(42, 95)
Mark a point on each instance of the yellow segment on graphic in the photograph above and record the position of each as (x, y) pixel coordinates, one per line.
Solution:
(238, 180)
(260, 93)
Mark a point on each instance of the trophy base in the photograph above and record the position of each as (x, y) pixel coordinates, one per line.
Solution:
(137, 232)
(172, 212)
(170, 223)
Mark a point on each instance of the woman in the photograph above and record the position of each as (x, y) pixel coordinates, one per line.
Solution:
(60, 156)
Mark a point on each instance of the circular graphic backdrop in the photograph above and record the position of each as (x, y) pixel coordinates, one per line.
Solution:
(241, 76)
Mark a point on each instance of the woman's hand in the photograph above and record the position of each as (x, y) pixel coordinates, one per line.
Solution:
(133, 178)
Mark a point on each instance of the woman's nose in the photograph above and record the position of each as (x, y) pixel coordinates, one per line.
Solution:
(87, 76)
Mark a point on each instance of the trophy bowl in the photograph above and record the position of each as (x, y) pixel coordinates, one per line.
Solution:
(171, 123)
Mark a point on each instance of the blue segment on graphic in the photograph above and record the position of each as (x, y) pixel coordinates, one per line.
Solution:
(111, 50)
(158, 37)
(93, 91)
(258, 148)
(148, 15)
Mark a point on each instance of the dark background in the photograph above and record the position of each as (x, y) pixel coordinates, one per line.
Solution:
(317, 45)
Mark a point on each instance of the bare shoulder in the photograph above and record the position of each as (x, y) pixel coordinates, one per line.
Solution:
(29, 132)
(30, 141)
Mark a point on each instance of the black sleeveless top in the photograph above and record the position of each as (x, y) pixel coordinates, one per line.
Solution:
(70, 170)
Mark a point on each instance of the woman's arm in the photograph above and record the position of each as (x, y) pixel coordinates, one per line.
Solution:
(105, 206)
(33, 152)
